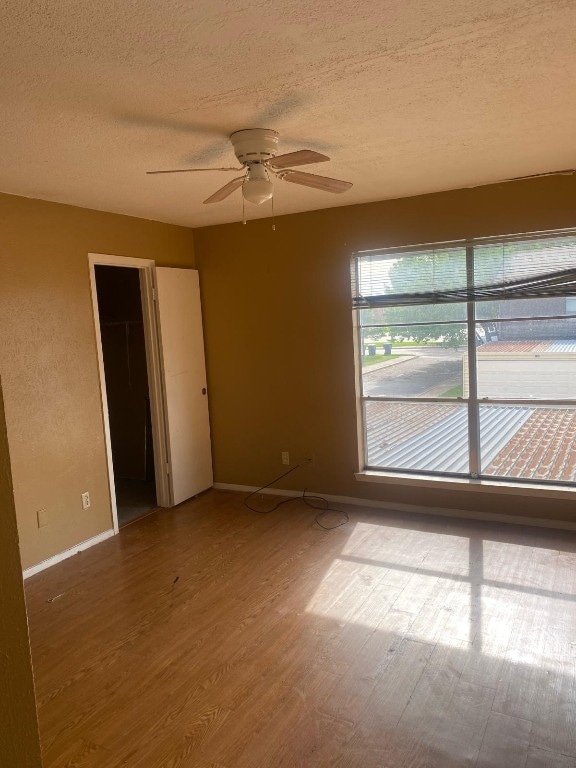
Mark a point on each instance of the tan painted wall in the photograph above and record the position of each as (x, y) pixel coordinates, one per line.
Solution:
(279, 335)
(19, 740)
(48, 359)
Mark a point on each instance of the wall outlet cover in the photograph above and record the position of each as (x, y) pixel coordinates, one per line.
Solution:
(85, 500)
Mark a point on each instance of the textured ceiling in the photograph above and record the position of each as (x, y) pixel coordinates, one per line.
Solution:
(406, 96)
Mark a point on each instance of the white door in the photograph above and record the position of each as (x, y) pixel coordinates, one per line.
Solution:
(184, 371)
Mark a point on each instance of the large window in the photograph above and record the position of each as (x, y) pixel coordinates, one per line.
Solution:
(467, 358)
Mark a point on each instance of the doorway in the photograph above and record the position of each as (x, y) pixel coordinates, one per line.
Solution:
(124, 358)
(171, 441)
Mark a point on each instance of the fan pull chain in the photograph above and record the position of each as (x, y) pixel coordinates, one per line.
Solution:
(243, 211)
(273, 224)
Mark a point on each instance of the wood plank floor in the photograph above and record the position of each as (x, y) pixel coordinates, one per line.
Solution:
(210, 636)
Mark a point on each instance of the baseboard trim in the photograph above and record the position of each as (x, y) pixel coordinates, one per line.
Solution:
(466, 514)
(34, 569)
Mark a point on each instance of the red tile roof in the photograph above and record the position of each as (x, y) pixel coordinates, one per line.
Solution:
(544, 448)
(504, 347)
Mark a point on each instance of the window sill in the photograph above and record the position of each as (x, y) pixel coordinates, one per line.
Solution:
(565, 492)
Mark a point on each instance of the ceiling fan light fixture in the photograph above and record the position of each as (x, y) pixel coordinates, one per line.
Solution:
(256, 151)
(257, 188)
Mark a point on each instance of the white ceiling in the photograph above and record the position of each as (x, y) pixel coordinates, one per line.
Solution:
(406, 96)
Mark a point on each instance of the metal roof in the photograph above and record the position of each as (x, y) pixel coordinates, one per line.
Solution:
(563, 346)
(443, 446)
(391, 424)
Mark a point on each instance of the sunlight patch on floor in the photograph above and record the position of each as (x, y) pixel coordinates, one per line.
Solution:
(495, 597)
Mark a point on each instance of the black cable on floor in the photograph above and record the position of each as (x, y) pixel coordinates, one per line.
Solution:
(326, 509)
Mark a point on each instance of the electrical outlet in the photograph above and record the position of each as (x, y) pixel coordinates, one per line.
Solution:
(42, 518)
(85, 500)
(285, 456)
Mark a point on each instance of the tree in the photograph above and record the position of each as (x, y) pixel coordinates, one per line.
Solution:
(430, 271)
(373, 323)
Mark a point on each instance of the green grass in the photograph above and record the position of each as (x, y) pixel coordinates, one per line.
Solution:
(373, 359)
(456, 391)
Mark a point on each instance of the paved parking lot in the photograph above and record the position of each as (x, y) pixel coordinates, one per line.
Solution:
(430, 372)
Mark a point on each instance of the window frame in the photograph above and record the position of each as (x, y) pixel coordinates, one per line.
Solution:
(474, 477)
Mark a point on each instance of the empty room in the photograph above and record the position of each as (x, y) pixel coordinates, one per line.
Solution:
(288, 384)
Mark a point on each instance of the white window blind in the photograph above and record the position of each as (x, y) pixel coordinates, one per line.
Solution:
(539, 268)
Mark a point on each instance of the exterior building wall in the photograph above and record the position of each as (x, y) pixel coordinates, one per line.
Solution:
(564, 328)
(524, 376)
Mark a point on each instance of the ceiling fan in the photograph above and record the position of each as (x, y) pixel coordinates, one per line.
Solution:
(256, 150)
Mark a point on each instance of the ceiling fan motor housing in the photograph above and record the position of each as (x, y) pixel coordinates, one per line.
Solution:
(255, 145)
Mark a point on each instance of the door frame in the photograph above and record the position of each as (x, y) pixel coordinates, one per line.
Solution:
(146, 268)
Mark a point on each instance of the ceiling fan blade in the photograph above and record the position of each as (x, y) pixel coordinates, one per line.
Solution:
(193, 170)
(301, 157)
(317, 182)
(226, 190)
